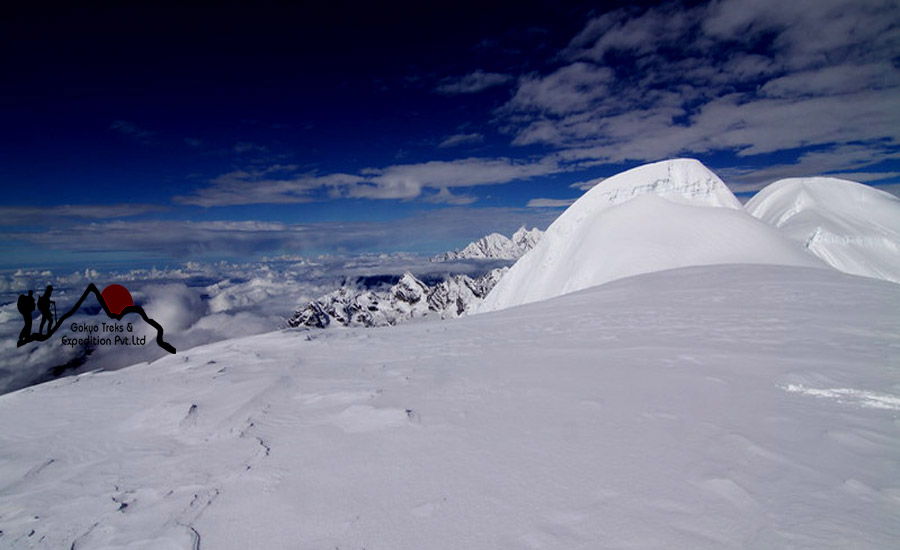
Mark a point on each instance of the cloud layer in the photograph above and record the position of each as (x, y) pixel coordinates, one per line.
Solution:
(37, 215)
(472, 83)
(643, 84)
(431, 231)
(281, 183)
(754, 78)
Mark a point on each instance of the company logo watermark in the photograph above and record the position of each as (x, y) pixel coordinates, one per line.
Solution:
(103, 334)
(116, 302)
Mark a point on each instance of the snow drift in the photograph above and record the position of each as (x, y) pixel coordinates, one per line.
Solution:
(655, 217)
(853, 227)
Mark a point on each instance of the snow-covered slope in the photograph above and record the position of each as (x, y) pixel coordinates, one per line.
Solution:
(728, 407)
(853, 227)
(496, 247)
(659, 216)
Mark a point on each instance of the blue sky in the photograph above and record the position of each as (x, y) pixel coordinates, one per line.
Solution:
(161, 135)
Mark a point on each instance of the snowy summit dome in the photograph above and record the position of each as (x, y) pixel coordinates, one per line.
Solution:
(853, 227)
(659, 216)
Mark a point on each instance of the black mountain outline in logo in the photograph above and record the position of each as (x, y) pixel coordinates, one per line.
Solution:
(130, 309)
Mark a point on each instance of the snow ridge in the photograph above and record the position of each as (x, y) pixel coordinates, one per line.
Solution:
(680, 180)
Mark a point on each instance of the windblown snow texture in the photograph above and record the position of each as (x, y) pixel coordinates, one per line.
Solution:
(655, 217)
(853, 227)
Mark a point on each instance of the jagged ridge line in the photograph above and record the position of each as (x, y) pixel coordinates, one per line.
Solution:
(91, 288)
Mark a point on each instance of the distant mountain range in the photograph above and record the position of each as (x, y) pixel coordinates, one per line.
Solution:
(496, 247)
(408, 298)
(356, 303)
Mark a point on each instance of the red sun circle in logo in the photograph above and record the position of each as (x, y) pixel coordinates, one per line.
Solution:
(117, 298)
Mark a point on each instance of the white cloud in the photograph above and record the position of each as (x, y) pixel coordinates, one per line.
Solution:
(472, 83)
(461, 139)
(173, 305)
(834, 80)
(406, 181)
(832, 161)
(585, 185)
(809, 33)
(848, 156)
(197, 240)
(444, 196)
(550, 203)
(167, 238)
(760, 77)
(281, 184)
(639, 34)
(273, 185)
(36, 215)
(572, 88)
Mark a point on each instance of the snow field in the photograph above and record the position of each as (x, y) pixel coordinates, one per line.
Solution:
(659, 411)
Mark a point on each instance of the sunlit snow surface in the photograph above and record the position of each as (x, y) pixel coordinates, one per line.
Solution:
(853, 227)
(665, 215)
(712, 407)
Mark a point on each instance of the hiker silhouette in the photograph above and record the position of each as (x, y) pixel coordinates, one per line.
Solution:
(26, 308)
(43, 304)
